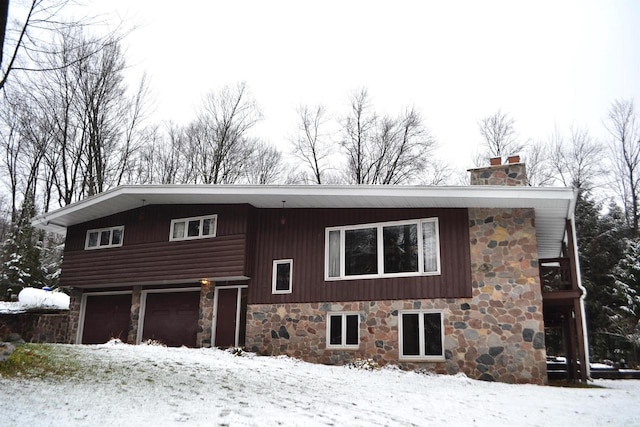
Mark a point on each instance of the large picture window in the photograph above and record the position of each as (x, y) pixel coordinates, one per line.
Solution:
(390, 249)
(102, 238)
(343, 330)
(193, 228)
(421, 335)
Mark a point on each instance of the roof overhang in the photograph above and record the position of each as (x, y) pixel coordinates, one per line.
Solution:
(553, 205)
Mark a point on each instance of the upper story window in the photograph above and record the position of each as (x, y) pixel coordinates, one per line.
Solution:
(193, 228)
(102, 238)
(388, 249)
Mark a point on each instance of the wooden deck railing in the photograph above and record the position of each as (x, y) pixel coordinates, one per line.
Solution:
(555, 275)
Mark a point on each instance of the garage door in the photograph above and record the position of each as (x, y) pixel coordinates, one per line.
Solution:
(172, 318)
(106, 317)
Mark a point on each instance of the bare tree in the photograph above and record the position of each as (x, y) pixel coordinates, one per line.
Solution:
(576, 162)
(358, 136)
(220, 134)
(265, 165)
(311, 144)
(25, 137)
(30, 30)
(539, 171)
(625, 146)
(95, 124)
(384, 150)
(499, 136)
(404, 149)
(4, 15)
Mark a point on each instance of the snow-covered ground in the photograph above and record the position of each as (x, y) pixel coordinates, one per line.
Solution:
(149, 385)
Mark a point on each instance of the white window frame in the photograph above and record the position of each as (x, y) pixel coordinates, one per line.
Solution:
(379, 226)
(100, 231)
(274, 277)
(421, 356)
(343, 345)
(186, 221)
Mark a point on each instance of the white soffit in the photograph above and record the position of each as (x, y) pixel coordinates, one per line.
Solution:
(553, 205)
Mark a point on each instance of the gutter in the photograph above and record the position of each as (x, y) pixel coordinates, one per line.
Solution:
(580, 286)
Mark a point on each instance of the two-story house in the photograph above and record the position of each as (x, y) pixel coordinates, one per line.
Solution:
(452, 279)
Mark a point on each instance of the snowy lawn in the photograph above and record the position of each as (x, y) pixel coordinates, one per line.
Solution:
(123, 385)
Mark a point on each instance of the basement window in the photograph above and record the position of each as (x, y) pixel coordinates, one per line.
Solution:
(343, 330)
(421, 335)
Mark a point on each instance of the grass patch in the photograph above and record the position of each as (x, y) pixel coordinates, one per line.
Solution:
(572, 384)
(39, 361)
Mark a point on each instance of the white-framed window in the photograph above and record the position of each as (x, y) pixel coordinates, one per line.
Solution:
(198, 227)
(421, 335)
(386, 249)
(102, 238)
(282, 276)
(343, 330)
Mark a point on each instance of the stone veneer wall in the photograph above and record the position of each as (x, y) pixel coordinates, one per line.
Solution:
(508, 174)
(136, 296)
(205, 319)
(75, 298)
(496, 335)
(49, 327)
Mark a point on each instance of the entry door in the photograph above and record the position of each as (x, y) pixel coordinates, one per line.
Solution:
(229, 317)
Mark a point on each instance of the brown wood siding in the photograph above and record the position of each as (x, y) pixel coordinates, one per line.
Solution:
(147, 255)
(302, 238)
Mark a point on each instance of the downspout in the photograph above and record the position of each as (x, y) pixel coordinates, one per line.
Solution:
(571, 216)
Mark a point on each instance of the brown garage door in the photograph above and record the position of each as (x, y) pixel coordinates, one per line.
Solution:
(172, 318)
(106, 317)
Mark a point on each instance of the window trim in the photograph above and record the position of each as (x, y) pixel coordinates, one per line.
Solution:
(100, 231)
(343, 345)
(421, 356)
(274, 276)
(186, 221)
(379, 226)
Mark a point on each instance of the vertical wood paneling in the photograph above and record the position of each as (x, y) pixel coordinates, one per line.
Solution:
(302, 238)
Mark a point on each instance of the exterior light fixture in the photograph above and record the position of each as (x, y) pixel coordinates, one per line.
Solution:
(205, 282)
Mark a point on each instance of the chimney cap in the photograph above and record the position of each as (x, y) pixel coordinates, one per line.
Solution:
(513, 159)
(495, 161)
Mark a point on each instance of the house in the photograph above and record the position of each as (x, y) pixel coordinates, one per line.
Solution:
(452, 279)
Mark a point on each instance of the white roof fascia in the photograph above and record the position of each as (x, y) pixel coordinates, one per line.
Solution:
(129, 197)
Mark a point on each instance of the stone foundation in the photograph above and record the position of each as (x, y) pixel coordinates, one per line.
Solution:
(50, 327)
(75, 298)
(496, 335)
(205, 319)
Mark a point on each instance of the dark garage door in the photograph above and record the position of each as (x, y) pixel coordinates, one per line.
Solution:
(172, 318)
(106, 317)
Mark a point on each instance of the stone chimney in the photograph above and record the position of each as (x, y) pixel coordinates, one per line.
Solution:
(510, 173)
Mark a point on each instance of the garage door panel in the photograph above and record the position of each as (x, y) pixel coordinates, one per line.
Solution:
(106, 317)
(172, 318)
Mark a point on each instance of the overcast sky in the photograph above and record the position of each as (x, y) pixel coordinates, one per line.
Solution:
(547, 63)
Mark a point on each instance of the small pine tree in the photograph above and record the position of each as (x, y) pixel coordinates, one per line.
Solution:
(21, 255)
